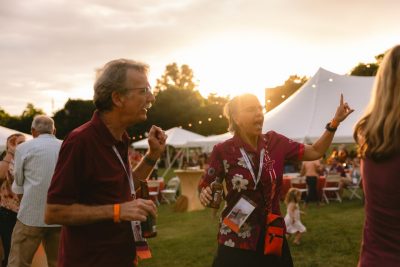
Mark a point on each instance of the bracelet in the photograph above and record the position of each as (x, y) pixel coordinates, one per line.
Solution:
(149, 161)
(117, 213)
(9, 162)
(329, 128)
(334, 123)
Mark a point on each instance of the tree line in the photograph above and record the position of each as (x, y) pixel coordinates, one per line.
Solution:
(178, 104)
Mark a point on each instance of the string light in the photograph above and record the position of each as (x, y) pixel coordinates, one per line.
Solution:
(283, 96)
(313, 86)
(190, 125)
(330, 79)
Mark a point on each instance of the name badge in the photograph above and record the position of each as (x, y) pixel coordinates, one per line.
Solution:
(239, 214)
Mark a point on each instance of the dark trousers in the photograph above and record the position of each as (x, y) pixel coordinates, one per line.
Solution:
(312, 194)
(8, 219)
(235, 257)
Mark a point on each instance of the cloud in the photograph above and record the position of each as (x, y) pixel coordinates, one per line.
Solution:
(55, 45)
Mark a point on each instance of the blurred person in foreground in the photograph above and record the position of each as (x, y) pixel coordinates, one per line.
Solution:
(9, 201)
(378, 136)
(92, 193)
(251, 163)
(35, 161)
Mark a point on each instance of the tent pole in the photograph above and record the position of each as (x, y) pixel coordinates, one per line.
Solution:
(168, 158)
(171, 164)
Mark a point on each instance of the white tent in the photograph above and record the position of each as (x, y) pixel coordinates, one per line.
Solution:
(5, 133)
(207, 143)
(177, 138)
(304, 114)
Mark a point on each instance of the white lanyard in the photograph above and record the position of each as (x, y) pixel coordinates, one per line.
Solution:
(247, 160)
(128, 174)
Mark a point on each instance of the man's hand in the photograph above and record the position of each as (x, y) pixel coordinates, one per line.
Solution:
(205, 196)
(343, 110)
(137, 210)
(157, 141)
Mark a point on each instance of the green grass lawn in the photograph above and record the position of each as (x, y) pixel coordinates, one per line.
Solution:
(189, 239)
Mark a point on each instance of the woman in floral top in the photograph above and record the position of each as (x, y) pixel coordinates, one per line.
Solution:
(237, 161)
(9, 202)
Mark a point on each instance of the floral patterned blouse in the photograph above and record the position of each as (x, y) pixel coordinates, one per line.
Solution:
(227, 162)
(8, 199)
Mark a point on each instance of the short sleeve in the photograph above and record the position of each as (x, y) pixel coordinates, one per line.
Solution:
(68, 174)
(293, 150)
(215, 168)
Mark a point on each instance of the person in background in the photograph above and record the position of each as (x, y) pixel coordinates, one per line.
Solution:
(134, 157)
(337, 168)
(292, 218)
(342, 154)
(311, 170)
(378, 135)
(9, 201)
(35, 161)
(332, 156)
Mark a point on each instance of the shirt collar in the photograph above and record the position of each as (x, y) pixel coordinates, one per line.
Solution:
(238, 142)
(45, 135)
(104, 133)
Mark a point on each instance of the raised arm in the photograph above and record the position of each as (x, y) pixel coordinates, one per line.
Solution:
(157, 141)
(318, 149)
(6, 161)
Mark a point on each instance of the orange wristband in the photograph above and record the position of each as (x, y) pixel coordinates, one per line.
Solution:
(334, 123)
(116, 217)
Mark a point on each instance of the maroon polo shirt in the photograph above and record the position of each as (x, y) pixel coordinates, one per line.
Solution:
(227, 162)
(89, 172)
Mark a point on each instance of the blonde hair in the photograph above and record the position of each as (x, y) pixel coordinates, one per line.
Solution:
(378, 131)
(232, 108)
(293, 195)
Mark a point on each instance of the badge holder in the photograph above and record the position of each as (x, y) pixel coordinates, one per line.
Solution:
(239, 214)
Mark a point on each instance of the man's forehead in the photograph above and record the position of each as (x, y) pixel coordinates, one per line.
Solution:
(136, 77)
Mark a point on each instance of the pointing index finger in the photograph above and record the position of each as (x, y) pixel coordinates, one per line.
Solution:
(341, 99)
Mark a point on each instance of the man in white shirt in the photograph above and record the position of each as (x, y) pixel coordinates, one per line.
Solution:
(34, 167)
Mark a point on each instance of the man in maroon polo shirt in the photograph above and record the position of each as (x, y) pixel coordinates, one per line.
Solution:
(90, 193)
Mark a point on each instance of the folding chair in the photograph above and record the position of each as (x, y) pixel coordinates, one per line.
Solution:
(168, 195)
(331, 188)
(353, 188)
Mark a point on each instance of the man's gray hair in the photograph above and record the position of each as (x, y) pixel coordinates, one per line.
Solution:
(111, 78)
(43, 124)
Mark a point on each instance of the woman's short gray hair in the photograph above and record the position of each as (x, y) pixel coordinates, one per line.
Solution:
(43, 124)
(111, 78)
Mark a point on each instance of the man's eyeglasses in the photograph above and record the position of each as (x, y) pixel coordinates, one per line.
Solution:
(143, 90)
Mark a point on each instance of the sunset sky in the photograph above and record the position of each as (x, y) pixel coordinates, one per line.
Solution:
(49, 49)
